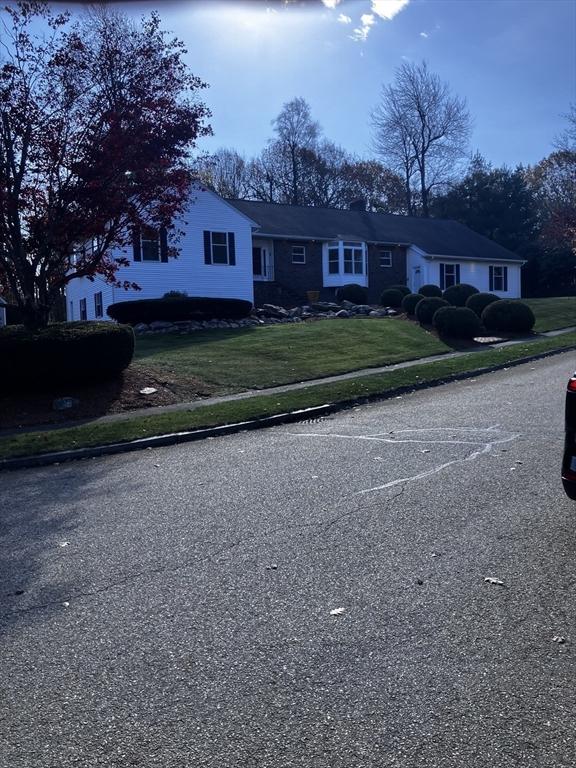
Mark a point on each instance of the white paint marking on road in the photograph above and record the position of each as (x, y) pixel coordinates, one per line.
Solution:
(487, 447)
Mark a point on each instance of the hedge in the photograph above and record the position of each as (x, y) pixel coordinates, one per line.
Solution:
(431, 291)
(352, 292)
(409, 302)
(176, 308)
(63, 353)
(391, 297)
(404, 290)
(458, 294)
(426, 307)
(458, 322)
(508, 316)
(478, 302)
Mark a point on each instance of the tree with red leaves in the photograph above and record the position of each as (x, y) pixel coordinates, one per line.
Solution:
(97, 121)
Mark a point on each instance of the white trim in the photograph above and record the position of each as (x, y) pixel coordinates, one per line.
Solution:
(436, 256)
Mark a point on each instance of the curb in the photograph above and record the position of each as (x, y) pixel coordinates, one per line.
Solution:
(174, 438)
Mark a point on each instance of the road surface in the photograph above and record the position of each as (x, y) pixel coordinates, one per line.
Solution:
(312, 595)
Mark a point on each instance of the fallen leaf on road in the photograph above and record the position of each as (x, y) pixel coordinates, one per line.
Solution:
(425, 450)
(148, 391)
(63, 543)
(337, 611)
(560, 639)
(492, 580)
(65, 605)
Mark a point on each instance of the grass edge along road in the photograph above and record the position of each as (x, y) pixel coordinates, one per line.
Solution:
(260, 406)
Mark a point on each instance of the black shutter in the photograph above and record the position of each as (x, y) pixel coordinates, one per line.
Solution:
(136, 246)
(163, 245)
(207, 249)
(231, 249)
(505, 277)
(457, 275)
(442, 277)
(491, 279)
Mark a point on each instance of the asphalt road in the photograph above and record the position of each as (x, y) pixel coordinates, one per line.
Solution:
(172, 608)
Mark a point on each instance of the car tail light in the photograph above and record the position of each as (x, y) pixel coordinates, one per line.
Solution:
(572, 384)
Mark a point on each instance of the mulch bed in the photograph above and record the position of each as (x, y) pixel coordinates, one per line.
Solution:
(27, 409)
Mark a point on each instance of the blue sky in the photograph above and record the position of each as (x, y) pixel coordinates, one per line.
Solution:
(513, 60)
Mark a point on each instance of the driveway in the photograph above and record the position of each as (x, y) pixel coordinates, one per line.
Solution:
(391, 586)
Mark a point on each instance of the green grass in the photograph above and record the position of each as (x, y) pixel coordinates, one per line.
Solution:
(552, 313)
(383, 384)
(266, 356)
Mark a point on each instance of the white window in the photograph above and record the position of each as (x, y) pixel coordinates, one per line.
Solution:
(498, 278)
(449, 275)
(219, 248)
(346, 258)
(98, 305)
(298, 254)
(83, 312)
(385, 258)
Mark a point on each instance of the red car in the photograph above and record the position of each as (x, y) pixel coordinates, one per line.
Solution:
(569, 460)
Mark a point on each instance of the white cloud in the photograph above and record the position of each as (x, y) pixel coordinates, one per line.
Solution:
(367, 20)
(330, 3)
(387, 9)
(343, 19)
(424, 34)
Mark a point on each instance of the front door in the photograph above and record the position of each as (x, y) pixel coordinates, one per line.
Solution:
(261, 263)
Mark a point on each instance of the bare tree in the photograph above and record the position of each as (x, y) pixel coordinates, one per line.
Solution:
(226, 172)
(296, 132)
(566, 141)
(422, 130)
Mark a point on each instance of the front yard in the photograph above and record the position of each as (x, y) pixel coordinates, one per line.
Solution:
(266, 356)
(554, 312)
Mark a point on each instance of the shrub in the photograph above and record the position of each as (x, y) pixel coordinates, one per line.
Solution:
(175, 295)
(458, 294)
(404, 290)
(172, 309)
(479, 301)
(63, 353)
(409, 302)
(352, 292)
(426, 307)
(391, 297)
(507, 316)
(459, 322)
(431, 291)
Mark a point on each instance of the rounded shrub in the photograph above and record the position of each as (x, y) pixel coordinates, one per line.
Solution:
(431, 291)
(391, 297)
(409, 302)
(426, 308)
(352, 292)
(458, 294)
(63, 353)
(479, 301)
(404, 290)
(175, 308)
(458, 322)
(508, 316)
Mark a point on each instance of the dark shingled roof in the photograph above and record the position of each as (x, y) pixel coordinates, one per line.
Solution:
(434, 236)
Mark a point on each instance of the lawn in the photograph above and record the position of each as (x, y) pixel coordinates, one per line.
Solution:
(552, 313)
(266, 356)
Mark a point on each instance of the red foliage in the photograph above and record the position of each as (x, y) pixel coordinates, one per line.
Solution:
(97, 120)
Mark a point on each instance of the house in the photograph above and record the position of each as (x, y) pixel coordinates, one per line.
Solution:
(273, 253)
(298, 249)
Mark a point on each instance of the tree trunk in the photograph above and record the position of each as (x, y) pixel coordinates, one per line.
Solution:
(35, 316)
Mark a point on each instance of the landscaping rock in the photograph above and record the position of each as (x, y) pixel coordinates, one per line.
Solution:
(348, 305)
(161, 325)
(342, 313)
(362, 309)
(274, 311)
(325, 306)
(380, 312)
(141, 328)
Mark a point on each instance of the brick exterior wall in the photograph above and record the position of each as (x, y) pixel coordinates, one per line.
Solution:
(292, 281)
(379, 277)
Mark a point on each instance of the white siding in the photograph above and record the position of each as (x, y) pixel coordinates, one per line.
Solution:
(187, 272)
(476, 273)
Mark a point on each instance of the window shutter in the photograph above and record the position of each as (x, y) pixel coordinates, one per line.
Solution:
(505, 277)
(457, 274)
(491, 279)
(163, 245)
(231, 249)
(442, 277)
(136, 245)
(207, 250)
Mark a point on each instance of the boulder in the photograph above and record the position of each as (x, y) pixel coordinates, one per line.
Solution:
(274, 311)
(161, 325)
(325, 306)
(141, 328)
(342, 313)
